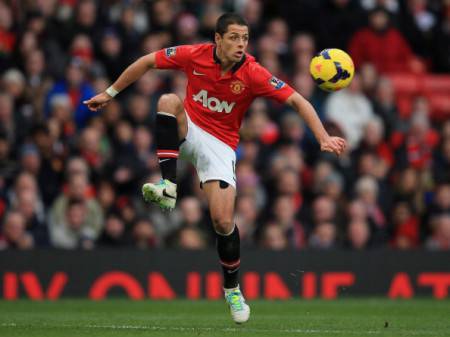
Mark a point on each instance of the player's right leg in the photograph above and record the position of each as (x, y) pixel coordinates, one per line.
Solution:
(221, 198)
(171, 126)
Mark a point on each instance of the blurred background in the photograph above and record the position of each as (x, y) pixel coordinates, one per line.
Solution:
(71, 178)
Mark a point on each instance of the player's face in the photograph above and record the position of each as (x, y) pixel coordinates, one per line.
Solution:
(233, 43)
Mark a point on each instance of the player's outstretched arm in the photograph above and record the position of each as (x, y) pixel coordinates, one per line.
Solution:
(307, 112)
(133, 72)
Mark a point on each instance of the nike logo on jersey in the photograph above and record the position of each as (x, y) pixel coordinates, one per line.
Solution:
(213, 103)
(163, 160)
(198, 74)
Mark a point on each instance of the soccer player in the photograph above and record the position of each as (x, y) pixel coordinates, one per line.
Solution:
(223, 80)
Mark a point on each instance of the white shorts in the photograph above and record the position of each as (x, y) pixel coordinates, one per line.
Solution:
(212, 158)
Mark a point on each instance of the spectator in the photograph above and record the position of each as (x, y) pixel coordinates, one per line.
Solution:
(252, 11)
(129, 34)
(74, 85)
(144, 236)
(30, 159)
(373, 143)
(333, 188)
(7, 123)
(38, 80)
(143, 144)
(163, 14)
(440, 239)
(304, 84)
(8, 37)
(367, 43)
(14, 235)
(106, 196)
(84, 21)
(441, 40)
(25, 182)
(441, 200)
(367, 190)
(358, 235)
(369, 79)
(89, 211)
(111, 53)
(357, 211)
(91, 150)
(247, 214)
(323, 236)
(8, 166)
(358, 112)
(139, 111)
(343, 16)
(29, 206)
(61, 111)
(113, 235)
(385, 107)
(288, 182)
(191, 239)
(284, 215)
(409, 188)
(81, 48)
(441, 161)
(73, 231)
(415, 148)
(417, 25)
(192, 214)
(406, 227)
(278, 30)
(249, 183)
(322, 210)
(273, 237)
(187, 29)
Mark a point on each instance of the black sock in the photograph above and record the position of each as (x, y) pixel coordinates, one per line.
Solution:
(228, 247)
(167, 145)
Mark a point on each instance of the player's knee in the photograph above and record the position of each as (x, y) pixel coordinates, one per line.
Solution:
(170, 103)
(223, 226)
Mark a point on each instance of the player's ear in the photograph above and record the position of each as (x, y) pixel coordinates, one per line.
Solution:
(217, 38)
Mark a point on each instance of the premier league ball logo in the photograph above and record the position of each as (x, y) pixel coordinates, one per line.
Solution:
(276, 82)
(171, 51)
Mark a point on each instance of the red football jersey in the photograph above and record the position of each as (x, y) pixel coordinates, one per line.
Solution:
(217, 103)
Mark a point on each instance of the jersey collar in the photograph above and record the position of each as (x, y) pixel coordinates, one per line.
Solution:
(236, 66)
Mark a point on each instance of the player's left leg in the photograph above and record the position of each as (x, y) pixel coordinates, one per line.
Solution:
(171, 125)
(221, 198)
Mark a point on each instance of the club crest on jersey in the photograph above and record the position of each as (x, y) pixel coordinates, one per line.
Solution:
(237, 87)
(171, 51)
(276, 83)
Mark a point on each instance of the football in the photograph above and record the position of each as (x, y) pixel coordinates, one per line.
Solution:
(332, 69)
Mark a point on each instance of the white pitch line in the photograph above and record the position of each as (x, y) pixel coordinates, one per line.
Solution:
(243, 329)
(206, 329)
(184, 329)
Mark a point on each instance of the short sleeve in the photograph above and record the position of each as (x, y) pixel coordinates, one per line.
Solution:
(173, 57)
(266, 85)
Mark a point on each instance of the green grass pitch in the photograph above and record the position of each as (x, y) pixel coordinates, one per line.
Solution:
(119, 317)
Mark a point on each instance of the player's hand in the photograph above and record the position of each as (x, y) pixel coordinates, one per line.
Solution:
(333, 144)
(98, 101)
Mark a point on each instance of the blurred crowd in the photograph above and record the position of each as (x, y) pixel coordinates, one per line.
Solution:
(71, 178)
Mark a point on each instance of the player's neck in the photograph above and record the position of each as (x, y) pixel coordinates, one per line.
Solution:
(225, 64)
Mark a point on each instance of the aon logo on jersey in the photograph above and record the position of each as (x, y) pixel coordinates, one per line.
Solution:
(212, 103)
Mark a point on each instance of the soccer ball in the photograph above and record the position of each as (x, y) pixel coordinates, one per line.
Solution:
(332, 69)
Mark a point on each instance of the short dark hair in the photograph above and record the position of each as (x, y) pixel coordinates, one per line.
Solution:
(228, 19)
